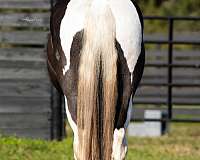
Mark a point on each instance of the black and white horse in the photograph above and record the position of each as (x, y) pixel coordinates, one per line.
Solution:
(96, 59)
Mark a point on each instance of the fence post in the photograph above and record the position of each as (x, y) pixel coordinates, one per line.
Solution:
(170, 61)
(57, 108)
(56, 115)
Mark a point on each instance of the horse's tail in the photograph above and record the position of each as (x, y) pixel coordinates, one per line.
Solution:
(97, 85)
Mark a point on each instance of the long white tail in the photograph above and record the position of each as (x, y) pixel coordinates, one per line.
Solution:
(97, 86)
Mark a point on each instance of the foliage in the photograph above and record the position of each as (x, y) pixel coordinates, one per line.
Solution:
(170, 8)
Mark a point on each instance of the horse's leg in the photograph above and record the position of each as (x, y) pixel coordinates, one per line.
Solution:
(73, 126)
(119, 139)
(70, 86)
(123, 107)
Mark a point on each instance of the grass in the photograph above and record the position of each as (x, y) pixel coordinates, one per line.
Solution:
(182, 143)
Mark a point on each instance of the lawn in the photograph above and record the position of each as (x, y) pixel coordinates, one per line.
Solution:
(182, 143)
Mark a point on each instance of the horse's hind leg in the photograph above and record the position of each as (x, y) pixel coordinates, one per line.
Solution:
(73, 126)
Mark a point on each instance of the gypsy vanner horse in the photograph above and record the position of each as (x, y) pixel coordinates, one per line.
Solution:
(96, 59)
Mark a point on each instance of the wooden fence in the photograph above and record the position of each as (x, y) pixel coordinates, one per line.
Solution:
(25, 96)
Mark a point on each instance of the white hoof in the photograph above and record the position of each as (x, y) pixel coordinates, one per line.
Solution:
(119, 147)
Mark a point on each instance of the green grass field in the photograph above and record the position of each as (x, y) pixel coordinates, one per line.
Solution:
(182, 143)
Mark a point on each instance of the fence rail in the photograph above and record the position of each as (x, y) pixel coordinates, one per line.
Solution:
(170, 65)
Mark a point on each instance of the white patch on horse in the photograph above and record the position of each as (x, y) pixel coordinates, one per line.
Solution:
(69, 117)
(72, 22)
(128, 30)
(73, 126)
(119, 147)
(65, 69)
(126, 18)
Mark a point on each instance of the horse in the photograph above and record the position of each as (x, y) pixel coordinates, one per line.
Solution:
(95, 58)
